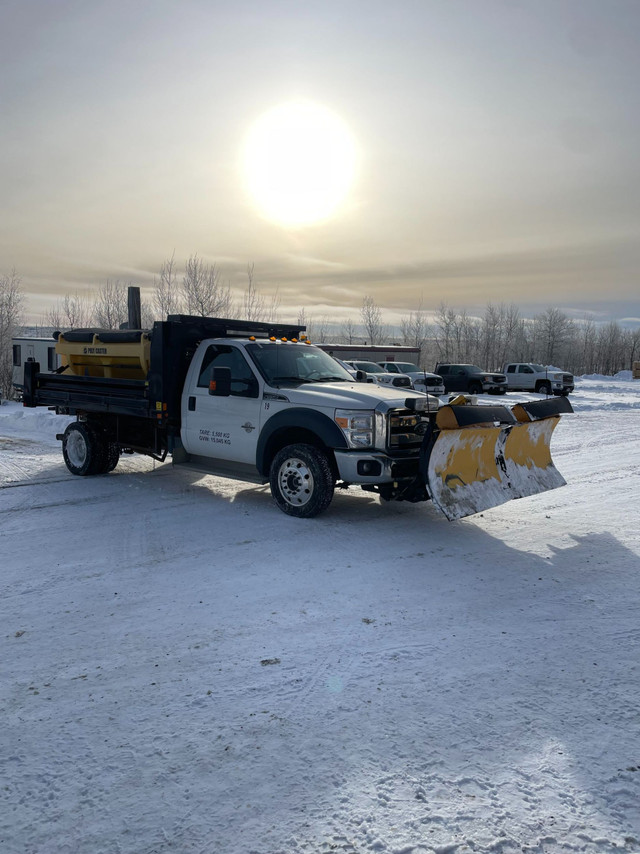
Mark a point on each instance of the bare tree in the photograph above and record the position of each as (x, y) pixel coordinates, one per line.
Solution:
(415, 329)
(253, 301)
(372, 321)
(553, 329)
(11, 308)
(166, 293)
(204, 293)
(111, 307)
(53, 317)
(321, 330)
(349, 331)
(255, 305)
(73, 311)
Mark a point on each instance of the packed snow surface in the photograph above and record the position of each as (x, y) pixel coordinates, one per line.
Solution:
(186, 669)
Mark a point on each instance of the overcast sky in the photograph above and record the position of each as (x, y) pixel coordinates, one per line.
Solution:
(497, 147)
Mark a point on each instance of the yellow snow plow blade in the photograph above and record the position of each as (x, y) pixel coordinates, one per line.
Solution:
(484, 456)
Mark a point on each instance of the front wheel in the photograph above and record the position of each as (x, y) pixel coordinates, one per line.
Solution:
(83, 450)
(301, 480)
(544, 388)
(475, 388)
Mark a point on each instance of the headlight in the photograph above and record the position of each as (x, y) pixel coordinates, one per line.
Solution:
(557, 376)
(357, 426)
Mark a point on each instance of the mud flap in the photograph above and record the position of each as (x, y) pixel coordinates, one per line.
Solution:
(484, 456)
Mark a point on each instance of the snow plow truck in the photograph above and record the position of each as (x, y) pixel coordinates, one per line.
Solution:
(258, 402)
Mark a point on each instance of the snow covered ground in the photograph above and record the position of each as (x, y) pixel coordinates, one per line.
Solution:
(185, 669)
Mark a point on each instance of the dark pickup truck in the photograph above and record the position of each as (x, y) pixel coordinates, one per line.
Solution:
(471, 378)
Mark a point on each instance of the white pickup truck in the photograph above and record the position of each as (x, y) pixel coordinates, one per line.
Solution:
(528, 376)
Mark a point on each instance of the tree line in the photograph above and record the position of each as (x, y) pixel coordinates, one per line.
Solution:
(499, 335)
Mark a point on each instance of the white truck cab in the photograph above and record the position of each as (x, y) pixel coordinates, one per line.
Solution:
(244, 400)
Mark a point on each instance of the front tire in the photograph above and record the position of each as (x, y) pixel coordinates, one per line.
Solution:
(544, 388)
(475, 388)
(301, 480)
(83, 450)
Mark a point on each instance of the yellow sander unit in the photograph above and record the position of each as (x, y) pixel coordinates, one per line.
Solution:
(118, 354)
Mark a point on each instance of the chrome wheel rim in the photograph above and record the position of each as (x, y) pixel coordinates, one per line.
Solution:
(76, 449)
(295, 482)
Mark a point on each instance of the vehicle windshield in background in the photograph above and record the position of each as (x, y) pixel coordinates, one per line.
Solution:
(405, 367)
(369, 367)
(295, 363)
(539, 369)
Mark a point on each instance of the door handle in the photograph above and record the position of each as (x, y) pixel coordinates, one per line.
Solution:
(192, 404)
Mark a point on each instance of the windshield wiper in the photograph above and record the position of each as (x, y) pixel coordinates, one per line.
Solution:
(289, 380)
(331, 380)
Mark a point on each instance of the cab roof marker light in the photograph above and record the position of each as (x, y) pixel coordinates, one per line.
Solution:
(252, 338)
(283, 339)
(272, 338)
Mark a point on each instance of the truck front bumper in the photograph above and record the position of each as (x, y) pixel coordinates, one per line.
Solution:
(375, 467)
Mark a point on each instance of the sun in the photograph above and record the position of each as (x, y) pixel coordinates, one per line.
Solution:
(299, 163)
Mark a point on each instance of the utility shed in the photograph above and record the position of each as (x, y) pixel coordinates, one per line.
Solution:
(372, 352)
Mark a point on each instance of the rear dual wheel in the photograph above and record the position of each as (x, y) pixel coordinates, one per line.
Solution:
(86, 451)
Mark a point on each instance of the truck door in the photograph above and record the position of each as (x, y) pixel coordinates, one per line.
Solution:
(225, 428)
(457, 379)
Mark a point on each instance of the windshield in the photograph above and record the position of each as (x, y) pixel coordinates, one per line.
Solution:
(369, 367)
(539, 369)
(295, 363)
(407, 366)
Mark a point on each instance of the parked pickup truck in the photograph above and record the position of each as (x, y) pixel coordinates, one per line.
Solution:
(471, 379)
(422, 380)
(527, 376)
(253, 402)
(376, 374)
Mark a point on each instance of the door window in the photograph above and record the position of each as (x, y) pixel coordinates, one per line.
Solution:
(243, 380)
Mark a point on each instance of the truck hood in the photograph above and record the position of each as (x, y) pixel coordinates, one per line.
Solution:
(344, 395)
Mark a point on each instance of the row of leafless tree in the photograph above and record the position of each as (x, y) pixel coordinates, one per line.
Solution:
(550, 338)
(500, 334)
(199, 290)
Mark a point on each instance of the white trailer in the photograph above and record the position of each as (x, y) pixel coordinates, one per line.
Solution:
(42, 350)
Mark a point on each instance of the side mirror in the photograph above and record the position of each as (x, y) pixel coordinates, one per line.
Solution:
(220, 385)
(361, 376)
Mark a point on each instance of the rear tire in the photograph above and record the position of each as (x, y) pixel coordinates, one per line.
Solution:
(83, 451)
(301, 481)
